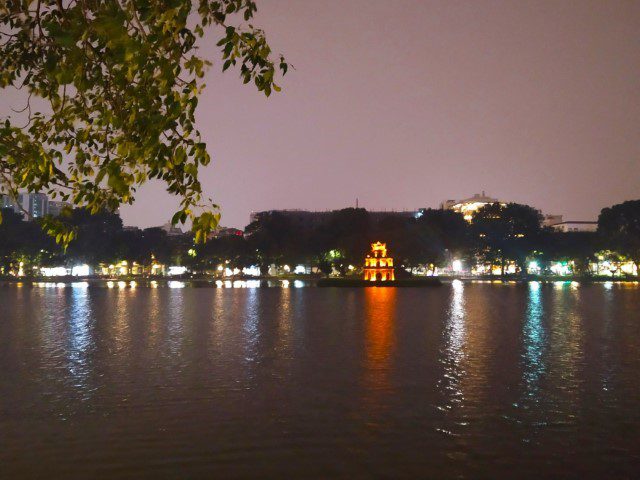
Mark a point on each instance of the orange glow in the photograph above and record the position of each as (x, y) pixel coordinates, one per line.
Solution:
(380, 313)
(378, 267)
(379, 249)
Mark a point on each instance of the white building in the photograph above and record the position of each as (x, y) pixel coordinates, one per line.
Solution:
(551, 220)
(576, 226)
(469, 206)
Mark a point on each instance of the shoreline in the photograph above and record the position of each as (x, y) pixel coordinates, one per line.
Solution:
(340, 282)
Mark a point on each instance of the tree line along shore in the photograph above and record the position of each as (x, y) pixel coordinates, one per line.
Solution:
(501, 241)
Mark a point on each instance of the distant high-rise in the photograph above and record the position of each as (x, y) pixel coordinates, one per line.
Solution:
(33, 205)
(7, 202)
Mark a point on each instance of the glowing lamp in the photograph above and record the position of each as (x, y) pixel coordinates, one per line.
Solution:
(456, 265)
(177, 270)
(81, 271)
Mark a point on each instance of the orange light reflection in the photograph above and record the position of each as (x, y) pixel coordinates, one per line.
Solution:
(380, 310)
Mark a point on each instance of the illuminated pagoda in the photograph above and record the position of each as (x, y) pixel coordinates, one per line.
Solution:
(377, 266)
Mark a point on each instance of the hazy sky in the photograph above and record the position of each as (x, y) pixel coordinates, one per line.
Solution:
(406, 103)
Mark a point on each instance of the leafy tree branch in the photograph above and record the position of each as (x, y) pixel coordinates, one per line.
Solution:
(120, 80)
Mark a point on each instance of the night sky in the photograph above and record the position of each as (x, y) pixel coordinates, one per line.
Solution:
(403, 104)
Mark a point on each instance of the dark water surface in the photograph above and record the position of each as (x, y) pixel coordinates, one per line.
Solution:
(462, 381)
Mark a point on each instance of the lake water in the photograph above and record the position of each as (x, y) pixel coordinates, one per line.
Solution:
(471, 380)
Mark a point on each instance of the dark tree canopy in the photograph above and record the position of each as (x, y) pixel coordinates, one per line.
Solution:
(22, 241)
(578, 247)
(119, 81)
(442, 231)
(619, 227)
(498, 235)
(506, 232)
(348, 231)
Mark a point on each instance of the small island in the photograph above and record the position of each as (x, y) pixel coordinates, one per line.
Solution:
(379, 271)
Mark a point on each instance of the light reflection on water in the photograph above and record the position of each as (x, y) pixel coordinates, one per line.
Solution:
(566, 351)
(250, 323)
(380, 310)
(454, 347)
(467, 380)
(535, 341)
(229, 283)
(285, 318)
(456, 327)
(80, 316)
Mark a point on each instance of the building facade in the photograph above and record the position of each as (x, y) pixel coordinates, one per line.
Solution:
(469, 206)
(551, 220)
(7, 202)
(29, 205)
(576, 226)
(37, 204)
(33, 205)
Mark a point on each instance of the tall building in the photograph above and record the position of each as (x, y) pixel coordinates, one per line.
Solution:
(7, 202)
(20, 205)
(37, 204)
(33, 205)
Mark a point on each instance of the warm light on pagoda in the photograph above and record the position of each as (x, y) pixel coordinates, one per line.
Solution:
(377, 266)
